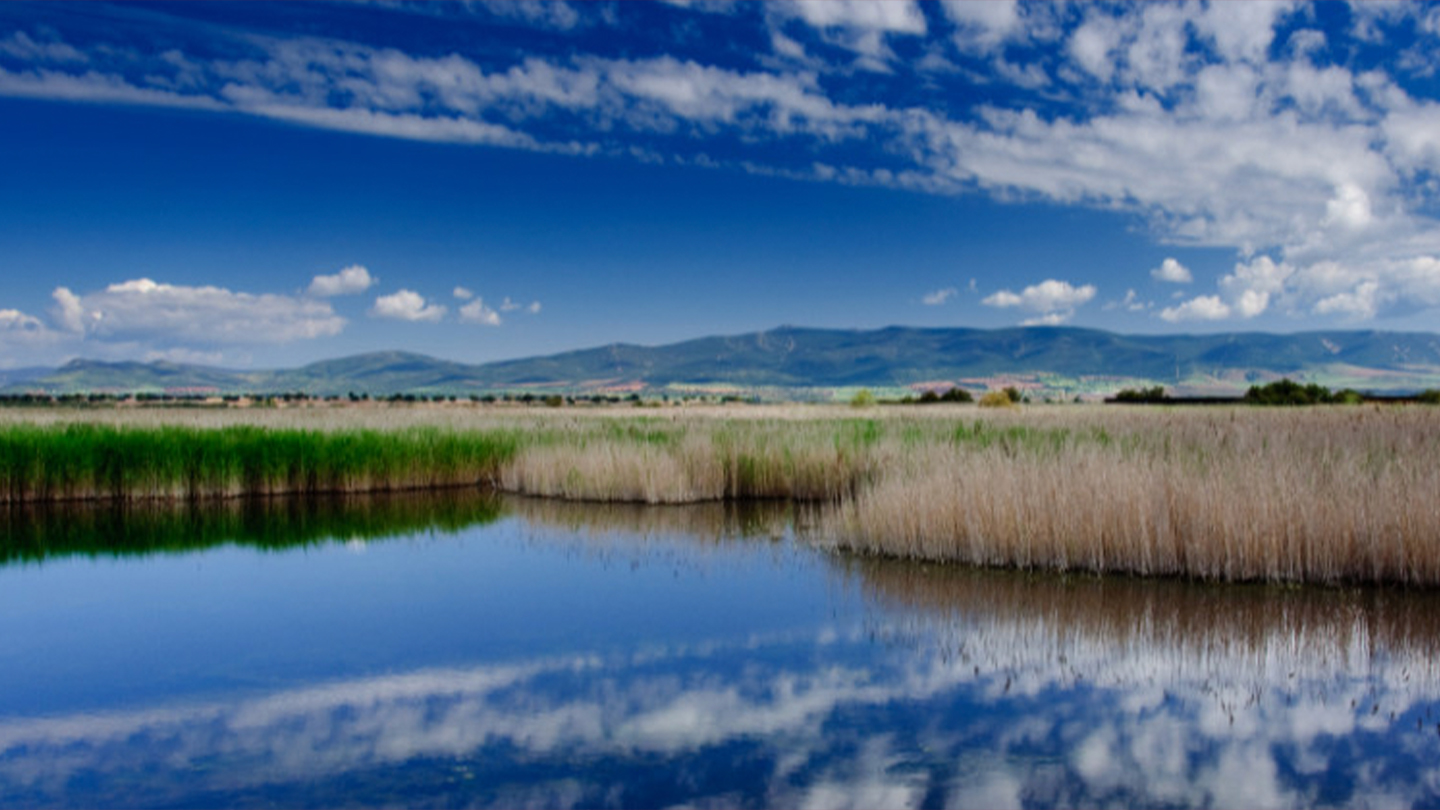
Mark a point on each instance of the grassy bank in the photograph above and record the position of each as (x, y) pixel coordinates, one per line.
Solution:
(1330, 494)
(79, 461)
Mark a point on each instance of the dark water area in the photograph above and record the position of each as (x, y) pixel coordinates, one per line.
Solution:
(454, 649)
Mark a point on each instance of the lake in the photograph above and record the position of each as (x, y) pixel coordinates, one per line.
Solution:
(455, 649)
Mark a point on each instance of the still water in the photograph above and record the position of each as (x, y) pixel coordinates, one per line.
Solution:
(457, 650)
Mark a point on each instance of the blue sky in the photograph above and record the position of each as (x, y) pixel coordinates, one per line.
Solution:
(269, 184)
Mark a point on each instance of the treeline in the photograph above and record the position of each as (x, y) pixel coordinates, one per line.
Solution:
(1280, 392)
(41, 399)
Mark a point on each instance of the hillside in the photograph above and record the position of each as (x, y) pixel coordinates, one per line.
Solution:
(1060, 358)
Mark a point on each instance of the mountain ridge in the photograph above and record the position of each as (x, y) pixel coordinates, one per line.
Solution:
(795, 357)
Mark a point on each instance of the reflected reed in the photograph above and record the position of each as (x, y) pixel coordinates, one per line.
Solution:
(1126, 631)
(40, 532)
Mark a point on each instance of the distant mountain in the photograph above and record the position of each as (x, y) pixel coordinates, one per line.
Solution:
(20, 376)
(1064, 358)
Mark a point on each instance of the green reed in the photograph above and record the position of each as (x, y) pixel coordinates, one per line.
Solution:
(81, 461)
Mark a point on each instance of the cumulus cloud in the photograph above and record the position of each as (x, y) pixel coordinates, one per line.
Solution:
(1200, 308)
(464, 293)
(1252, 284)
(406, 305)
(1172, 271)
(352, 280)
(1052, 301)
(69, 312)
(146, 310)
(477, 312)
(938, 297)
(13, 320)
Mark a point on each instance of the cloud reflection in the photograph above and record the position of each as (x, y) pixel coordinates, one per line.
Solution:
(976, 688)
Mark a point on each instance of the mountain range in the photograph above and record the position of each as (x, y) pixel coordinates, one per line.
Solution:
(799, 360)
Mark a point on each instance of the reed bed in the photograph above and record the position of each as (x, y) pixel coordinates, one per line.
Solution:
(1329, 495)
(86, 461)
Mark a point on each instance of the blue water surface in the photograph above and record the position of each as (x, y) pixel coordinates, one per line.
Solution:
(562, 655)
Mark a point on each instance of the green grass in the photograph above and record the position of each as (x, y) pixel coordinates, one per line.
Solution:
(79, 461)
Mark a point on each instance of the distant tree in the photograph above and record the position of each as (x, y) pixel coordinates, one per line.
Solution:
(1288, 392)
(1430, 396)
(1013, 393)
(956, 394)
(862, 399)
(1156, 394)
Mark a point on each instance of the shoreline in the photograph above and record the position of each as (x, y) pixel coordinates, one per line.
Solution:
(1332, 495)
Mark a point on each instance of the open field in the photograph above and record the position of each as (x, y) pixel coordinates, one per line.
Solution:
(1330, 494)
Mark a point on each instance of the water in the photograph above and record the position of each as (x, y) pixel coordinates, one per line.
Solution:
(458, 651)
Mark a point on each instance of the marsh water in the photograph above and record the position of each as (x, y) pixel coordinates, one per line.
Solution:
(459, 650)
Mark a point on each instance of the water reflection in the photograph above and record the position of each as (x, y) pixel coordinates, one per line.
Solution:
(922, 685)
(48, 531)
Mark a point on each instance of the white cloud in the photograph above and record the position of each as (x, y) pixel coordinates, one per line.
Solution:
(352, 280)
(1047, 296)
(856, 25)
(1053, 301)
(1200, 308)
(938, 297)
(477, 312)
(893, 16)
(1172, 271)
(1092, 43)
(1048, 319)
(13, 320)
(143, 309)
(533, 308)
(69, 312)
(984, 26)
(1242, 32)
(406, 305)
(22, 46)
(1251, 285)
(1349, 208)
(463, 293)
(1130, 303)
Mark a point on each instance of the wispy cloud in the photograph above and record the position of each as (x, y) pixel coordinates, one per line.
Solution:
(938, 297)
(477, 312)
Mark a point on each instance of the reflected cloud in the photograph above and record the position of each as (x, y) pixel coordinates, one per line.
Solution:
(975, 688)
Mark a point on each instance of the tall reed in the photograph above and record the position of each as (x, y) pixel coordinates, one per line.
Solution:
(1330, 496)
(86, 461)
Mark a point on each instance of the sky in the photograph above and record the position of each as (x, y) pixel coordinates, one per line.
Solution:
(270, 184)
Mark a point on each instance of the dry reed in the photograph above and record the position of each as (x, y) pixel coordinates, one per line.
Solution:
(1330, 495)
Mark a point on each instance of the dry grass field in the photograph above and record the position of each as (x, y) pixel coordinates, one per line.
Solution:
(1328, 494)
